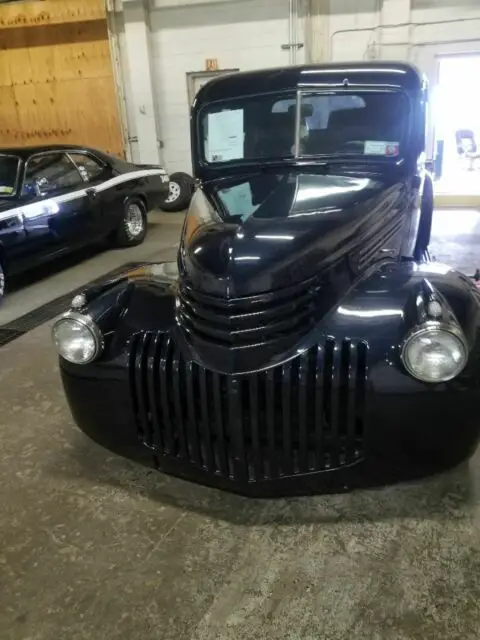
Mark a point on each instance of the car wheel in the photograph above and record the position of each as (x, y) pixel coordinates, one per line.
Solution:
(133, 226)
(180, 191)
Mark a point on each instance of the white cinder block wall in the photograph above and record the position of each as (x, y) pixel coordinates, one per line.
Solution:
(430, 28)
(243, 34)
(248, 34)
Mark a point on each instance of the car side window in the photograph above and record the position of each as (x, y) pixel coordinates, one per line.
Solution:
(89, 167)
(48, 173)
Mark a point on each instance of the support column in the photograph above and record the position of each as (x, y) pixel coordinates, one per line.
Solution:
(394, 41)
(396, 11)
(137, 50)
(317, 31)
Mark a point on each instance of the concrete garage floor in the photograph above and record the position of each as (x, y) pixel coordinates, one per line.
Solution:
(94, 547)
(456, 238)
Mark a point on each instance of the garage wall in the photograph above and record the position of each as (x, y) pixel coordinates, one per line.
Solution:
(246, 34)
(420, 31)
(249, 34)
(243, 34)
(435, 26)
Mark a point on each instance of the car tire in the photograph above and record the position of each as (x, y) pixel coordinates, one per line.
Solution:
(133, 226)
(181, 187)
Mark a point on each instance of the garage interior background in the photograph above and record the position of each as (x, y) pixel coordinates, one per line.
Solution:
(162, 41)
(120, 74)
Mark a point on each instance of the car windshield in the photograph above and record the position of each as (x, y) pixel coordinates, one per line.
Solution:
(9, 169)
(269, 127)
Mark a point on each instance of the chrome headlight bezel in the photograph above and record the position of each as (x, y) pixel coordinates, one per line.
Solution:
(88, 323)
(431, 327)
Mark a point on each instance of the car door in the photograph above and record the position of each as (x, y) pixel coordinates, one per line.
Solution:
(95, 172)
(61, 208)
(12, 233)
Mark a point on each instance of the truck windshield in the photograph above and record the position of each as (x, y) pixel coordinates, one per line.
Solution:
(269, 127)
(9, 169)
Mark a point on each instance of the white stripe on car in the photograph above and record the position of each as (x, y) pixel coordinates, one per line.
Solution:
(51, 205)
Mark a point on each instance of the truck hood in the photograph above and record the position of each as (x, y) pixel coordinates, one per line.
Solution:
(276, 231)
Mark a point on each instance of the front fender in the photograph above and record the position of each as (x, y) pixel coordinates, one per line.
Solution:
(382, 308)
(142, 299)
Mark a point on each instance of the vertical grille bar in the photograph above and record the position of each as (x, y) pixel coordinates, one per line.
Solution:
(287, 418)
(335, 404)
(256, 445)
(165, 400)
(194, 448)
(302, 413)
(319, 408)
(361, 387)
(352, 408)
(141, 376)
(270, 411)
(177, 403)
(205, 421)
(344, 415)
(235, 430)
(153, 390)
(220, 425)
(328, 372)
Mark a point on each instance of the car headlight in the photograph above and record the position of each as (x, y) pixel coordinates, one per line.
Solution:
(434, 353)
(77, 338)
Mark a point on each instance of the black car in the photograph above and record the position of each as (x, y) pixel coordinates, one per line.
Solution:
(303, 341)
(57, 199)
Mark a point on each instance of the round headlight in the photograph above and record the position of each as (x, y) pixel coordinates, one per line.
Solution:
(77, 338)
(434, 353)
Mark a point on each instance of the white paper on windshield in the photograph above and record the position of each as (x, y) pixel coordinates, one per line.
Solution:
(225, 136)
(381, 148)
(238, 200)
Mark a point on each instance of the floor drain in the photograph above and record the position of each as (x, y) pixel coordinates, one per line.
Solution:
(7, 335)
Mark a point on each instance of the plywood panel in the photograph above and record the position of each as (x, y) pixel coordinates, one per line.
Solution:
(50, 12)
(57, 86)
(60, 52)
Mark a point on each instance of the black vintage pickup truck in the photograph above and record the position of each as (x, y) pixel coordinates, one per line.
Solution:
(302, 341)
